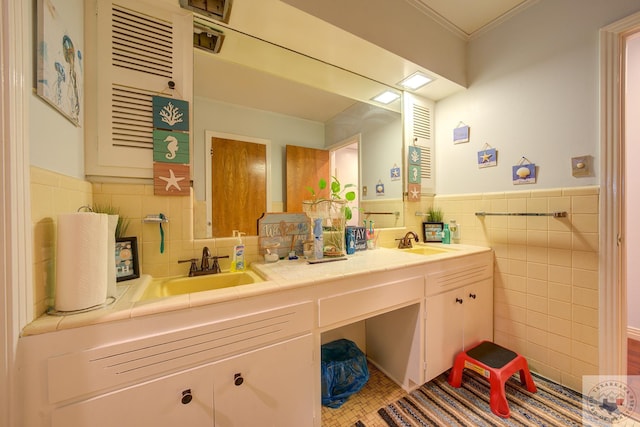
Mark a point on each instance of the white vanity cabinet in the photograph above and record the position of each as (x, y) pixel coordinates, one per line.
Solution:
(459, 311)
(243, 363)
(266, 387)
(184, 398)
(270, 387)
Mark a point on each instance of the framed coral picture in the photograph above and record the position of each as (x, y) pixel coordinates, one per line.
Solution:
(59, 55)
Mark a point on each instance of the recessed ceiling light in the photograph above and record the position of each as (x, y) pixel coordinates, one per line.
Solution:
(386, 97)
(415, 81)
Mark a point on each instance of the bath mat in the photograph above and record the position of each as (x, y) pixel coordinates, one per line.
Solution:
(436, 403)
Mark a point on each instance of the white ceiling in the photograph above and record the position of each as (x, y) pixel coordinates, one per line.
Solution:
(314, 98)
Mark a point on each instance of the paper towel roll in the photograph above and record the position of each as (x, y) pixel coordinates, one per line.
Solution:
(81, 260)
(112, 289)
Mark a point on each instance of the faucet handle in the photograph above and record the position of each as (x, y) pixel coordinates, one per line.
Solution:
(193, 268)
(215, 266)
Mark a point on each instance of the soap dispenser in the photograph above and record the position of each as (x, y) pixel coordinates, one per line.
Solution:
(454, 228)
(237, 262)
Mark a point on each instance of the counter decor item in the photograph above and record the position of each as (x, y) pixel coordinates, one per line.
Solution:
(432, 229)
(126, 256)
(81, 261)
(333, 214)
(117, 227)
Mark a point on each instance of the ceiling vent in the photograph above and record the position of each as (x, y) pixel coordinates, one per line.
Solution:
(216, 9)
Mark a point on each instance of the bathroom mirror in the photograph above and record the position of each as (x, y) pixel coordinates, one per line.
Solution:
(252, 90)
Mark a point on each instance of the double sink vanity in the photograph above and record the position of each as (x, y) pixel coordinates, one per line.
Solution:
(243, 348)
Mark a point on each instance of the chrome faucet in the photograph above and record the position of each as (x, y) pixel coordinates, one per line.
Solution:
(405, 242)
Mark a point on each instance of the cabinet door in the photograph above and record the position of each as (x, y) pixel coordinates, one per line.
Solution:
(158, 403)
(444, 330)
(142, 45)
(272, 386)
(478, 313)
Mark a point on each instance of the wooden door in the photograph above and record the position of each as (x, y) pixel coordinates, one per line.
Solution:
(305, 167)
(238, 186)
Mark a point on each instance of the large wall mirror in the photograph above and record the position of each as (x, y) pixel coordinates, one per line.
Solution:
(268, 98)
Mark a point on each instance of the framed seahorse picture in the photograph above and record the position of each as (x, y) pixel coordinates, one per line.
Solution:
(170, 147)
(59, 56)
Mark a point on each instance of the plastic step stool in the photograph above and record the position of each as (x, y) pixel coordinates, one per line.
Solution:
(497, 364)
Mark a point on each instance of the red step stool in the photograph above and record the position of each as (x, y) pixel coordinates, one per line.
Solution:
(497, 364)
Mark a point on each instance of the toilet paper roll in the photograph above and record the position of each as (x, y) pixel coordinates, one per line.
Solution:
(112, 289)
(81, 260)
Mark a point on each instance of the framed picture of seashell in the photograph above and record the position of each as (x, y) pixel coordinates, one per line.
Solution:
(524, 174)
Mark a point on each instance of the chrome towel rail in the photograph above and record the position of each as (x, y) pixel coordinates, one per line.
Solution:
(382, 213)
(558, 214)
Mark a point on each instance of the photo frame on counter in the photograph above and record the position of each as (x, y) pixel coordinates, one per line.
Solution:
(126, 253)
(432, 231)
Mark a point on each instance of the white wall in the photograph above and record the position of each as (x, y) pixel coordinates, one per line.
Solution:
(281, 130)
(632, 176)
(55, 143)
(533, 92)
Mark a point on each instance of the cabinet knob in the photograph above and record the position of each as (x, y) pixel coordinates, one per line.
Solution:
(186, 396)
(472, 296)
(237, 379)
(459, 300)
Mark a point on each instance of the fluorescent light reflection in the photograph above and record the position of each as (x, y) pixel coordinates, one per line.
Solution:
(386, 97)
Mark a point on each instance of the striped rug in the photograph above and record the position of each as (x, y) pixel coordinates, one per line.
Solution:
(436, 403)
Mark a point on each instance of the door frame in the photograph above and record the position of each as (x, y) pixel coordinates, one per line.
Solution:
(357, 140)
(16, 254)
(612, 289)
(208, 134)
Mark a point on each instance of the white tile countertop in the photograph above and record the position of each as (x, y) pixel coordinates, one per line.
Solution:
(279, 276)
(300, 272)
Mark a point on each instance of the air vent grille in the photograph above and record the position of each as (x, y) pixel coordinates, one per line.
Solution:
(142, 43)
(132, 117)
(425, 163)
(421, 122)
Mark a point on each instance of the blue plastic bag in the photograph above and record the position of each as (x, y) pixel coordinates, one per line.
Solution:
(344, 371)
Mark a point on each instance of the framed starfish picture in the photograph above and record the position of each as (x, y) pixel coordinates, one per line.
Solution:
(170, 179)
(487, 158)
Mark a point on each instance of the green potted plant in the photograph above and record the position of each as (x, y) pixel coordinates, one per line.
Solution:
(123, 222)
(432, 227)
(435, 214)
(334, 212)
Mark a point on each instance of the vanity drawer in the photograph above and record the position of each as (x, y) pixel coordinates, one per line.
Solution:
(459, 273)
(79, 373)
(377, 299)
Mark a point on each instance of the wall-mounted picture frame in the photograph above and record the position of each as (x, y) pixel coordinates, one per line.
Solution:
(432, 231)
(126, 254)
(59, 56)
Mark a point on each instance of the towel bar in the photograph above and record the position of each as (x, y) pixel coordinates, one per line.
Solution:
(559, 214)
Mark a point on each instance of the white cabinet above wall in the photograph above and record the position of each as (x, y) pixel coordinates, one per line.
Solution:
(134, 50)
(418, 114)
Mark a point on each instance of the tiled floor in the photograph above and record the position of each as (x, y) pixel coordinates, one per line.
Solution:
(378, 391)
